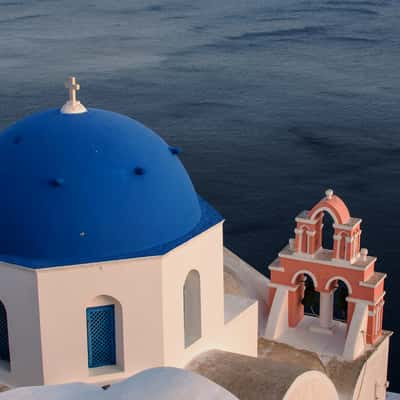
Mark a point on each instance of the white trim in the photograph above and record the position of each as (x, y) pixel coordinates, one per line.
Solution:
(310, 233)
(358, 243)
(281, 285)
(376, 309)
(377, 318)
(369, 285)
(339, 278)
(308, 242)
(340, 236)
(303, 271)
(299, 236)
(334, 262)
(348, 227)
(304, 227)
(367, 302)
(273, 268)
(305, 221)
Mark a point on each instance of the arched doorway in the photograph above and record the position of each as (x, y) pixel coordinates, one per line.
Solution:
(192, 307)
(4, 342)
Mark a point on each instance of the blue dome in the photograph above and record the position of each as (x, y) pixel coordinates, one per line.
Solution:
(88, 187)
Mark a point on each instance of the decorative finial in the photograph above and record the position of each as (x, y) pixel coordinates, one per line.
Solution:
(364, 254)
(329, 194)
(73, 106)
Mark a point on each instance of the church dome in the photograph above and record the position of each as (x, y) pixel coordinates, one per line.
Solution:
(92, 186)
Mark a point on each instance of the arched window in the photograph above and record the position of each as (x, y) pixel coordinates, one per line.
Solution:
(192, 308)
(4, 345)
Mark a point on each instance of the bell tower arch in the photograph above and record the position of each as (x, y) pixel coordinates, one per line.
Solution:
(346, 263)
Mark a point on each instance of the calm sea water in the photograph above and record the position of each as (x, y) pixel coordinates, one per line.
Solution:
(272, 101)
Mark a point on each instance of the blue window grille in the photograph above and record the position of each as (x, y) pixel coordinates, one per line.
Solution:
(101, 336)
(4, 345)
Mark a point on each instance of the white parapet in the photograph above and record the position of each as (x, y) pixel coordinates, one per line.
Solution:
(355, 341)
(278, 316)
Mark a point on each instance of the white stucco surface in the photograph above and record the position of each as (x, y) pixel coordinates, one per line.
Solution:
(48, 326)
(153, 384)
(356, 342)
(64, 295)
(235, 305)
(18, 292)
(312, 385)
(277, 322)
(249, 284)
(168, 384)
(304, 337)
(371, 383)
(69, 391)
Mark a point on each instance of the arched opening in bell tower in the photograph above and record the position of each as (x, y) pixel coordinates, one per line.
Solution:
(327, 231)
(309, 297)
(341, 290)
(339, 302)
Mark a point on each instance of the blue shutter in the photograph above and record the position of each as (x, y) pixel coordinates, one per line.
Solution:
(101, 336)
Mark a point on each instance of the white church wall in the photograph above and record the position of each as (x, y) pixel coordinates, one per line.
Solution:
(19, 296)
(240, 333)
(371, 384)
(146, 296)
(204, 253)
(65, 293)
(355, 341)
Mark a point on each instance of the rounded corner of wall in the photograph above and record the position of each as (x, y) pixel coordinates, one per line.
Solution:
(312, 385)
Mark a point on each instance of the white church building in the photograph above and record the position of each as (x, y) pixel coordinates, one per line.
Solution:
(111, 263)
(113, 269)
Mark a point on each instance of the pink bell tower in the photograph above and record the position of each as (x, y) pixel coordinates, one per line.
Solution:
(305, 258)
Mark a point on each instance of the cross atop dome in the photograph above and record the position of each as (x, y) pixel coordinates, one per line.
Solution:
(73, 106)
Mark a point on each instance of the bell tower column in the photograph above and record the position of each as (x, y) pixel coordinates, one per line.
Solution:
(326, 310)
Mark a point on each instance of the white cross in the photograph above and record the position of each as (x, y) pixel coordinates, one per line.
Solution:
(73, 106)
(73, 87)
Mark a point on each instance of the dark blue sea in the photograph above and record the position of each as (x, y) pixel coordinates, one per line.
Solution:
(272, 102)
